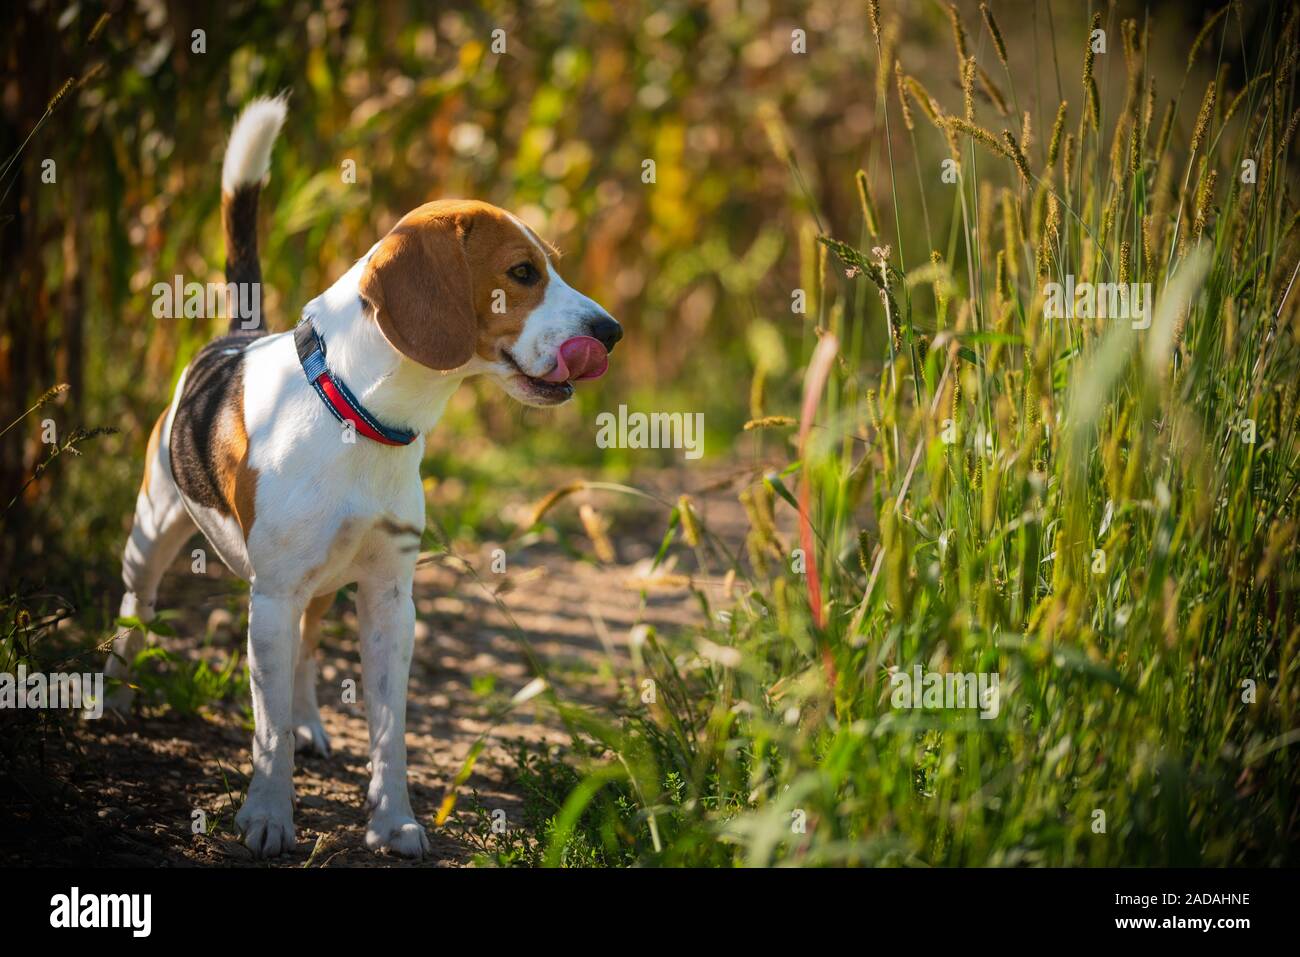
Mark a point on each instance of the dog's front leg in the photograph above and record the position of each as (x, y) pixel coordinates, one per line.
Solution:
(386, 613)
(266, 819)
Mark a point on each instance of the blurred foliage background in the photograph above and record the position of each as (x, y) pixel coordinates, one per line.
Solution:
(699, 265)
(770, 124)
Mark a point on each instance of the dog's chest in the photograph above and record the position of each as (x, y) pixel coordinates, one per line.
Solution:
(356, 513)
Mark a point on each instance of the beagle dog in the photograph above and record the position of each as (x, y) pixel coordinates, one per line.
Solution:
(297, 455)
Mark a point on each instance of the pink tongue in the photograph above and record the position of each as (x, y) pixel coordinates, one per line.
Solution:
(581, 357)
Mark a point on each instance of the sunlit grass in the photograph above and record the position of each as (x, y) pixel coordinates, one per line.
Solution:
(1103, 516)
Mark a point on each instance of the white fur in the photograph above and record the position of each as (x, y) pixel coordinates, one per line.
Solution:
(562, 314)
(248, 154)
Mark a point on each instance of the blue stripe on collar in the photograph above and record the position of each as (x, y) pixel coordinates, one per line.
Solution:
(338, 398)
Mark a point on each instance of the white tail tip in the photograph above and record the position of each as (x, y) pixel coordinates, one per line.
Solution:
(248, 154)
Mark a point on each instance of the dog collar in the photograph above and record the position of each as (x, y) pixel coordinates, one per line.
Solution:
(336, 396)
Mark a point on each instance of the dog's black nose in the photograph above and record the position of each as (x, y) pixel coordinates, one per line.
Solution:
(605, 331)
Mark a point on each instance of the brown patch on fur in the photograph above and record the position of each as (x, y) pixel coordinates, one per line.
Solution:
(419, 285)
(317, 607)
(151, 450)
(208, 443)
(434, 278)
(238, 478)
(399, 530)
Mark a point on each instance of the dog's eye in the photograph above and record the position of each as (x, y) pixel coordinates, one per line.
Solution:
(524, 273)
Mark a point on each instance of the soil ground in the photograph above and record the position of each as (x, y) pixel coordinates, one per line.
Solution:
(123, 791)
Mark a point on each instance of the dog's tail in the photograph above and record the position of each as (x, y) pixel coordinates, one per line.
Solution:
(248, 157)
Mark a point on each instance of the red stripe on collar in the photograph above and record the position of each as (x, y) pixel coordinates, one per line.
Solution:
(336, 396)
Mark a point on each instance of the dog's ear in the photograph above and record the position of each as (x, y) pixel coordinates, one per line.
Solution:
(418, 282)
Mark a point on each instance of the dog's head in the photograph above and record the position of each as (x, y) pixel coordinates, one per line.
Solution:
(459, 279)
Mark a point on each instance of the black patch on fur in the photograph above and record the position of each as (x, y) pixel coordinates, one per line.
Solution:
(239, 219)
(214, 382)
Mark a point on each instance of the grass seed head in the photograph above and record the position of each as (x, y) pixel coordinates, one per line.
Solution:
(1017, 155)
(1204, 199)
(868, 207)
(552, 498)
(597, 530)
(1203, 118)
(1054, 145)
(1089, 80)
(59, 95)
(979, 134)
(958, 34)
(923, 99)
(690, 523)
(902, 96)
(999, 45)
(968, 88)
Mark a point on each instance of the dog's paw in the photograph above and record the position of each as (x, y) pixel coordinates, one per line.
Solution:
(402, 835)
(267, 827)
(309, 736)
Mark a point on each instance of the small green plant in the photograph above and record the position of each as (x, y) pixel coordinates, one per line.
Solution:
(164, 677)
(602, 836)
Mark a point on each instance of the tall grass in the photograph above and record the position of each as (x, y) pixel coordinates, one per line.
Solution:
(1103, 516)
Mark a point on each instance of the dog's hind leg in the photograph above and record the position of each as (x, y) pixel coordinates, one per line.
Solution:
(309, 732)
(161, 526)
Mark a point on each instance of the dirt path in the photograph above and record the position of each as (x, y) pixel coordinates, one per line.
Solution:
(134, 786)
